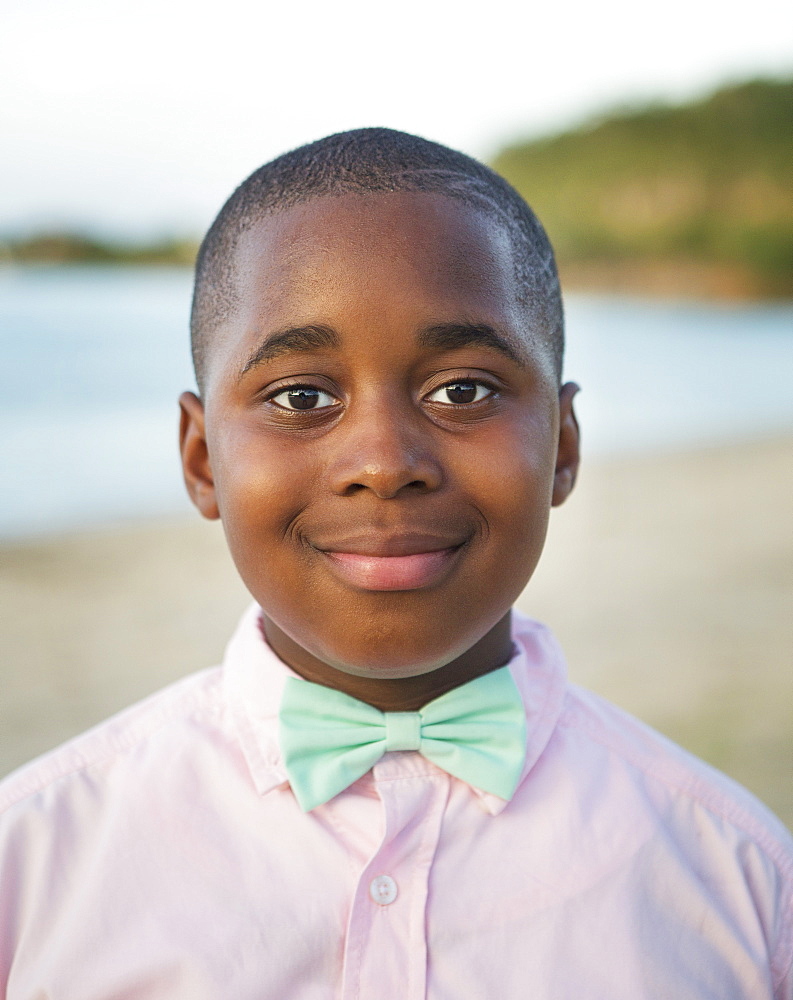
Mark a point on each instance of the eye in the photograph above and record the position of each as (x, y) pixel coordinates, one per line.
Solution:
(303, 397)
(461, 391)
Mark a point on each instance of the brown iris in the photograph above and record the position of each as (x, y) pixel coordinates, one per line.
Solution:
(303, 398)
(461, 392)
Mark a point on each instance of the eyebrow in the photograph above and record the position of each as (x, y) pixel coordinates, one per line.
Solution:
(450, 336)
(294, 340)
(441, 336)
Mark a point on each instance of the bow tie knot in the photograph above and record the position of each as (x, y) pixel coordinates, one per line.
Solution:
(476, 732)
(402, 730)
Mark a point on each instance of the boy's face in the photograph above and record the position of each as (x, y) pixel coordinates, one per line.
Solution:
(380, 433)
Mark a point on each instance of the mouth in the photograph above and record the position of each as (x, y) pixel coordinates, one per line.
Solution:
(397, 562)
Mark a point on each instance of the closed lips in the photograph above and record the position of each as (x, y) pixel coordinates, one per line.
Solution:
(379, 545)
(396, 563)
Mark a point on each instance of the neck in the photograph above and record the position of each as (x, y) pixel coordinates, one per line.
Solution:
(397, 694)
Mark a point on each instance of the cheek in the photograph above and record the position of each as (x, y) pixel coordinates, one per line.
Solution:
(514, 487)
(261, 486)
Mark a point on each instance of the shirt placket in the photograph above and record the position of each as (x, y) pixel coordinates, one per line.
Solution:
(386, 945)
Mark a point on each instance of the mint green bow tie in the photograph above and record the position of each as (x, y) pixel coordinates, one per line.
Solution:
(477, 732)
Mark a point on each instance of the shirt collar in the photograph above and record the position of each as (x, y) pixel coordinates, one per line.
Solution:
(254, 678)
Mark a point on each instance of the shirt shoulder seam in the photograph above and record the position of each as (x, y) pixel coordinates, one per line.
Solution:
(694, 788)
(717, 804)
(94, 746)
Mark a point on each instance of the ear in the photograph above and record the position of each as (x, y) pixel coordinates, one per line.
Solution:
(567, 455)
(195, 456)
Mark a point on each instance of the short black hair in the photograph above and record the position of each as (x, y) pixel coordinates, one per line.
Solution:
(365, 161)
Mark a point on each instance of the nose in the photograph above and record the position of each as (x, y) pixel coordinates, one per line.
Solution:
(387, 450)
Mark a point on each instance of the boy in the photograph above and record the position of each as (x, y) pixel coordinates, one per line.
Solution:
(388, 790)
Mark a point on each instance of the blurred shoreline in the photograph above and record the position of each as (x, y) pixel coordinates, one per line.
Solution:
(668, 580)
(665, 280)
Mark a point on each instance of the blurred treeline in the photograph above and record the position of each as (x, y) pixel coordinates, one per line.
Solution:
(77, 248)
(695, 198)
(691, 198)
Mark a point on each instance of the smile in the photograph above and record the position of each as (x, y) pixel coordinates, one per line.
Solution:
(407, 562)
(392, 572)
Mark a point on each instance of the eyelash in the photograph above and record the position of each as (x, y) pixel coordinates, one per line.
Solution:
(479, 384)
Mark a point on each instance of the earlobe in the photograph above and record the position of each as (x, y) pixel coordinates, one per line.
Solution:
(568, 454)
(195, 456)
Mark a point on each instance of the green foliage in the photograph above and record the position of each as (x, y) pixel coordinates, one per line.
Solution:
(706, 183)
(71, 248)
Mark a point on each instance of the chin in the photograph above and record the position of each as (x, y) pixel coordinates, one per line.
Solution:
(390, 668)
(393, 653)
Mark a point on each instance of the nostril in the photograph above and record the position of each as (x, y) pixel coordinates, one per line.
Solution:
(386, 486)
(384, 472)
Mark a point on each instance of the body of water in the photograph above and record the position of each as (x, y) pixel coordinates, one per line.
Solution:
(93, 360)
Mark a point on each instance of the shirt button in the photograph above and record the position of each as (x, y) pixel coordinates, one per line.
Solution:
(383, 890)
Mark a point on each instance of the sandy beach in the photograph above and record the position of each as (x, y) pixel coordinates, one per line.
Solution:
(668, 579)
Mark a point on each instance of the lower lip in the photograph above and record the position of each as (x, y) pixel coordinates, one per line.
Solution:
(392, 572)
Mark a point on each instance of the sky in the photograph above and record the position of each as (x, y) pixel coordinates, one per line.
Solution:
(137, 119)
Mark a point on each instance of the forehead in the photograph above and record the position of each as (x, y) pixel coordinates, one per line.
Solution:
(429, 243)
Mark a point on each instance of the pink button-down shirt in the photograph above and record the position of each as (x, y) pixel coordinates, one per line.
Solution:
(163, 855)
